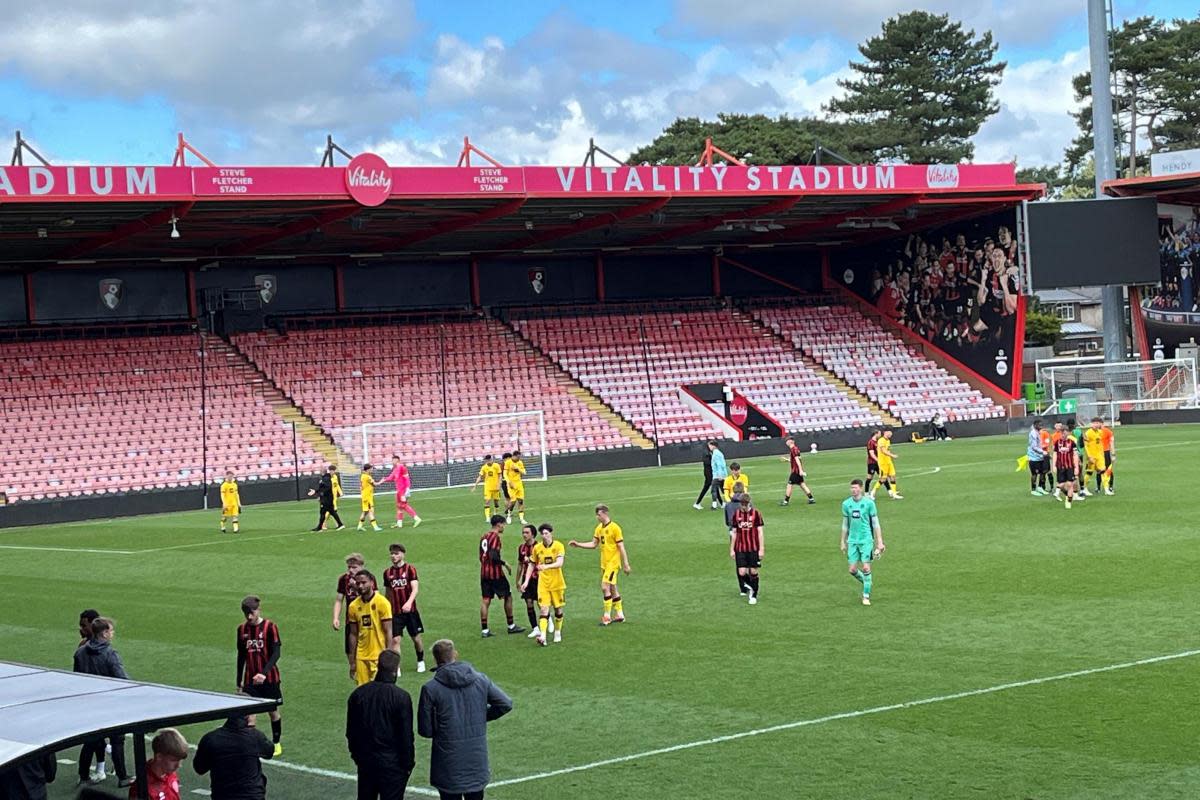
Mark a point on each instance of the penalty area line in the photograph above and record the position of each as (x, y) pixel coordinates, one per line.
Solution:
(804, 723)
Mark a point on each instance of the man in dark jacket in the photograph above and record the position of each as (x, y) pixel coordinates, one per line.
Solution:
(324, 494)
(232, 753)
(379, 731)
(28, 781)
(454, 710)
(97, 657)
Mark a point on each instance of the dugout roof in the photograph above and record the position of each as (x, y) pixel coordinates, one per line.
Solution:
(76, 215)
(46, 709)
(1182, 188)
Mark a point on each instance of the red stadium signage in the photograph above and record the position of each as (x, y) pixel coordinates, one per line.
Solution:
(94, 183)
(368, 180)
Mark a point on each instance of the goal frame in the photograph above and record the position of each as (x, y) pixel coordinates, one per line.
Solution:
(538, 414)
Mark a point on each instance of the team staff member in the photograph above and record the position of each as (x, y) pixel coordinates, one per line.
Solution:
(233, 753)
(370, 622)
(324, 493)
(379, 732)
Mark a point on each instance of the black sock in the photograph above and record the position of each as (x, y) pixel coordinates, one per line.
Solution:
(483, 624)
(741, 581)
(753, 583)
(532, 616)
(276, 730)
(510, 619)
(808, 493)
(420, 655)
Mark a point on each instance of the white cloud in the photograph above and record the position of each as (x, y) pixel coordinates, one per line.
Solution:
(1034, 124)
(1011, 21)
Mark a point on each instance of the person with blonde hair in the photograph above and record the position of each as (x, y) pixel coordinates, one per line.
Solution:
(162, 779)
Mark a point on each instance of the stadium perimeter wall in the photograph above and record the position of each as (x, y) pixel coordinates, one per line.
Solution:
(75, 509)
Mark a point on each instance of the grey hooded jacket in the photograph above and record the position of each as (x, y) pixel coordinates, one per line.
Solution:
(98, 657)
(454, 710)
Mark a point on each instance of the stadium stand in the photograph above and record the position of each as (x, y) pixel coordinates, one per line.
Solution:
(346, 376)
(95, 416)
(877, 363)
(607, 354)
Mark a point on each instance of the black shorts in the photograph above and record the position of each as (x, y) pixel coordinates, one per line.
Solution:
(410, 622)
(797, 478)
(1107, 459)
(530, 592)
(494, 587)
(872, 467)
(747, 559)
(265, 691)
(1066, 475)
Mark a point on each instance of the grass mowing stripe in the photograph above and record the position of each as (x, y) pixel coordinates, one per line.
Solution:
(804, 723)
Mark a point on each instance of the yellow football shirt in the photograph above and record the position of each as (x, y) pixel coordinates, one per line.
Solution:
(884, 448)
(491, 477)
(229, 495)
(369, 616)
(741, 478)
(514, 470)
(368, 487)
(608, 537)
(1093, 444)
(550, 579)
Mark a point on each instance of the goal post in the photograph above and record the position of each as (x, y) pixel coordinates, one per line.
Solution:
(1107, 388)
(440, 452)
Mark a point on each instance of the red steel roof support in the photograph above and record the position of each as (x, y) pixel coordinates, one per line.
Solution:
(160, 217)
(591, 223)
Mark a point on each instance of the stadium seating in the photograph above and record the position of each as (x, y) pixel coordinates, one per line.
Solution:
(99, 416)
(877, 363)
(606, 353)
(344, 377)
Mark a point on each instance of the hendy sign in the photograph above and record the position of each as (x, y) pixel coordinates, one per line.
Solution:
(368, 180)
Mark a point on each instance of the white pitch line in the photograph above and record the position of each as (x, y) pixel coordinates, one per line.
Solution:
(345, 776)
(224, 540)
(69, 550)
(202, 792)
(804, 723)
(786, 726)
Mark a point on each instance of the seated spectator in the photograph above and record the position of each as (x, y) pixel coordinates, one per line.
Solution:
(28, 781)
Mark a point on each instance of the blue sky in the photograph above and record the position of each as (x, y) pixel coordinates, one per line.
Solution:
(262, 82)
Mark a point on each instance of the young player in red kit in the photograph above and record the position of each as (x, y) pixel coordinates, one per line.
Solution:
(162, 778)
(796, 476)
(746, 547)
(492, 580)
(258, 646)
(400, 580)
(1066, 463)
(872, 458)
(347, 591)
(403, 481)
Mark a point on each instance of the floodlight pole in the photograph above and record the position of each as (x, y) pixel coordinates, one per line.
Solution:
(1105, 157)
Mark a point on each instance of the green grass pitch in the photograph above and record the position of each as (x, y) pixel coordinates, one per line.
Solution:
(982, 586)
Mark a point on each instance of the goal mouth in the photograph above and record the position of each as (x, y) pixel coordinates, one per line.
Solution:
(440, 452)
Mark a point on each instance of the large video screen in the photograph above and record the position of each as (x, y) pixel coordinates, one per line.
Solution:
(957, 287)
(1093, 243)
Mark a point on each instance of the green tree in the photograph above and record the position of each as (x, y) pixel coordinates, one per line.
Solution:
(1156, 69)
(756, 138)
(1041, 329)
(1051, 175)
(923, 89)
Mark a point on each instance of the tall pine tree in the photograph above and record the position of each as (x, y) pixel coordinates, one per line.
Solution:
(924, 88)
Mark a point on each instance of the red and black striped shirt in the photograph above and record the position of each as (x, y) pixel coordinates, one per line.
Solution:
(258, 651)
(490, 567)
(348, 587)
(794, 459)
(873, 450)
(746, 524)
(524, 555)
(398, 581)
(1064, 452)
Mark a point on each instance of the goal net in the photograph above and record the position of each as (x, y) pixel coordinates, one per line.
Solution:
(1106, 389)
(442, 451)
